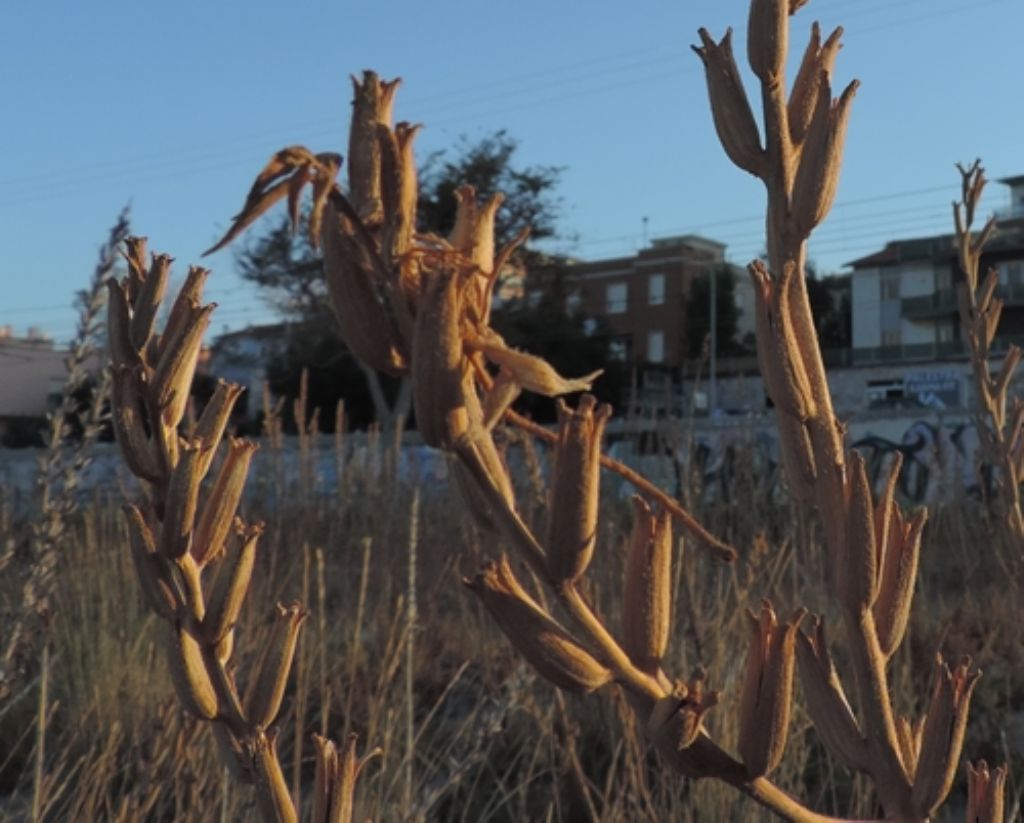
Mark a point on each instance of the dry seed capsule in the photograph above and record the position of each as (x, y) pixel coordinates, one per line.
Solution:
(155, 572)
(826, 701)
(214, 420)
(325, 776)
(896, 580)
(349, 268)
(230, 586)
(985, 791)
(172, 378)
(730, 108)
(767, 38)
(132, 423)
(677, 717)
(647, 595)
(268, 688)
(575, 488)
(943, 735)
(273, 795)
(817, 176)
(372, 103)
(908, 735)
(189, 675)
(180, 504)
(818, 59)
(135, 256)
(218, 511)
(148, 301)
(441, 384)
(859, 567)
(399, 187)
(189, 295)
(119, 326)
(549, 648)
(767, 690)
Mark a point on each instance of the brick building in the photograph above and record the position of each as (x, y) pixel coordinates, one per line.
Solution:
(643, 297)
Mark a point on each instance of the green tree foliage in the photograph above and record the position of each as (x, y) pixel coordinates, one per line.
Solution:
(698, 315)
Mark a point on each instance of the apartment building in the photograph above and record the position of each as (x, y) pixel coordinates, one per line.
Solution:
(905, 295)
(644, 296)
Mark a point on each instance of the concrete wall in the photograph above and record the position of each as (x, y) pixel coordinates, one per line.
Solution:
(865, 291)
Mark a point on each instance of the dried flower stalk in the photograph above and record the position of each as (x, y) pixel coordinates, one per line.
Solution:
(429, 301)
(1000, 418)
(180, 534)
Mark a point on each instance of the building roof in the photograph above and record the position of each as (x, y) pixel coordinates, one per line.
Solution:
(1008, 237)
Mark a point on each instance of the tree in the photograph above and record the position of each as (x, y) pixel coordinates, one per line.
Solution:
(288, 271)
(698, 316)
(490, 168)
(832, 318)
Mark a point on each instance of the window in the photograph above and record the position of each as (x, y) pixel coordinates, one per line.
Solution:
(656, 289)
(891, 337)
(573, 302)
(616, 295)
(655, 346)
(891, 287)
(618, 349)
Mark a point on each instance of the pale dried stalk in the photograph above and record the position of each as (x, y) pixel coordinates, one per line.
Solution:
(193, 555)
(872, 546)
(1000, 419)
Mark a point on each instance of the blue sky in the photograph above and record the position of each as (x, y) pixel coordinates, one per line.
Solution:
(173, 107)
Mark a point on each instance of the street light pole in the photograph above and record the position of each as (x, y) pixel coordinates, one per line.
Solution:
(712, 387)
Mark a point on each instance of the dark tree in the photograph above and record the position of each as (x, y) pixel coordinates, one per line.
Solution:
(489, 166)
(831, 309)
(698, 315)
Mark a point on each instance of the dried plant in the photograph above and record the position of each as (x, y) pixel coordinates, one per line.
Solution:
(194, 557)
(1000, 418)
(415, 304)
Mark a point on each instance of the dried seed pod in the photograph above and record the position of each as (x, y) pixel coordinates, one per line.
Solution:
(575, 488)
(132, 421)
(647, 594)
(443, 393)
(148, 301)
(365, 325)
(371, 107)
(180, 503)
(335, 780)
(767, 38)
(826, 701)
(135, 256)
(677, 718)
(896, 579)
(767, 690)
(189, 675)
(985, 792)
(532, 373)
(273, 795)
(214, 419)
(123, 352)
(943, 735)
(549, 648)
(730, 108)
(482, 479)
(859, 565)
(817, 175)
(155, 572)
(499, 398)
(189, 295)
(818, 60)
(399, 188)
(172, 378)
(231, 585)
(221, 503)
(267, 690)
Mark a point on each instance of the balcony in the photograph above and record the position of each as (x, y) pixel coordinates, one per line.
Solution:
(925, 352)
(943, 302)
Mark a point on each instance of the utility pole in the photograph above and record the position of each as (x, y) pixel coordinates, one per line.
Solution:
(712, 386)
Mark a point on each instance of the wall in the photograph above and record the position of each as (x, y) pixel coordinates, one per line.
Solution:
(865, 290)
